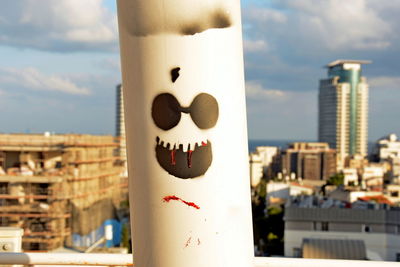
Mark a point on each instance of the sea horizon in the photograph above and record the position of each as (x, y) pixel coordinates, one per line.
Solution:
(283, 143)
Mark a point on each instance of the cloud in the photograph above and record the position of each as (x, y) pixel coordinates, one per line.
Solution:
(331, 24)
(265, 15)
(110, 63)
(32, 79)
(278, 114)
(288, 42)
(34, 110)
(58, 25)
(255, 90)
(384, 82)
(254, 46)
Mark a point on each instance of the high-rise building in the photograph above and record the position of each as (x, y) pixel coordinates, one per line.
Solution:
(120, 125)
(343, 109)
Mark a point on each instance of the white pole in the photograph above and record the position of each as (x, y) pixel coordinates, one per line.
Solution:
(182, 70)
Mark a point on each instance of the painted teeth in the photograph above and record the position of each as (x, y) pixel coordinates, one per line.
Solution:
(185, 148)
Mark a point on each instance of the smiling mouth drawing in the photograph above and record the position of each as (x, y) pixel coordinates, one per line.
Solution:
(190, 164)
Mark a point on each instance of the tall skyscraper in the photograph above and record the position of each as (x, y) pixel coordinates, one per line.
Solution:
(343, 109)
(120, 125)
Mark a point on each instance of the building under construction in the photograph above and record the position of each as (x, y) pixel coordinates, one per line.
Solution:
(60, 189)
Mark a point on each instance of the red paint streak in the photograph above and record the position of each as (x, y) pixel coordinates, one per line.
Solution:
(189, 158)
(190, 204)
(203, 144)
(173, 160)
(169, 198)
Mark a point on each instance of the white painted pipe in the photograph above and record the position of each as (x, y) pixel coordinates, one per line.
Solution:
(184, 98)
(126, 259)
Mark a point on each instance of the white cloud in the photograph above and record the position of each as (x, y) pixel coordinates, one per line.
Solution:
(32, 79)
(255, 46)
(328, 24)
(265, 15)
(58, 25)
(255, 90)
(277, 114)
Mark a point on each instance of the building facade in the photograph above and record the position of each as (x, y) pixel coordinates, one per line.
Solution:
(261, 163)
(256, 169)
(388, 147)
(120, 127)
(308, 161)
(376, 225)
(343, 109)
(61, 189)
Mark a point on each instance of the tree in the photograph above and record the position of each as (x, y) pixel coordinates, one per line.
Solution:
(337, 179)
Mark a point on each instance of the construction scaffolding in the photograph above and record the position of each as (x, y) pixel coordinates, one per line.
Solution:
(56, 185)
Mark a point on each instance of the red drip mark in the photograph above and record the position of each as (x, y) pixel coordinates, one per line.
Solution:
(190, 204)
(188, 242)
(189, 158)
(203, 144)
(173, 160)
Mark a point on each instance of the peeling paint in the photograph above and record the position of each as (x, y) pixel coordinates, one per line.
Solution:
(197, 18)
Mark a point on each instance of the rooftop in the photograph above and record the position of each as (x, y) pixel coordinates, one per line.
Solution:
(344, 61)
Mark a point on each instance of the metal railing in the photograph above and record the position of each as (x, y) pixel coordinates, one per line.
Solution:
(126, 260)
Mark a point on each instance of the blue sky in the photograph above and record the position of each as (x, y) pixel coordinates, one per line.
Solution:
(60, 64)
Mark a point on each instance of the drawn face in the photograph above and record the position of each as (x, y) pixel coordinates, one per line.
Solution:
(166, 114)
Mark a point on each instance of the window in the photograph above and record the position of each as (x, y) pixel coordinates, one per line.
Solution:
(365, 228)
(325, 226)
(58, 165)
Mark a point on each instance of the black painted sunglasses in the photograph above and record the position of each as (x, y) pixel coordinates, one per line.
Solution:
(166, 111)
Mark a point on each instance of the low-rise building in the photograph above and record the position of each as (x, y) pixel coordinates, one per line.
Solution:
(376, 225)
(393, 176)
(260, 162)
(279, 192)
(61, 189)
(372, 176)
(350, 176)
(351, 194)
(256, 169)
(392, 192)
(388, 147)
(309, 161)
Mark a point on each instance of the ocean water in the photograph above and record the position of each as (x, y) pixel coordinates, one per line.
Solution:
(284, 143)
(279, 143)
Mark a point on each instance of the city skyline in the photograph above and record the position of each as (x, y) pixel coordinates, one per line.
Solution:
(60, 65)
